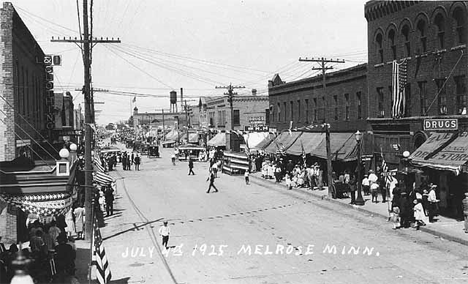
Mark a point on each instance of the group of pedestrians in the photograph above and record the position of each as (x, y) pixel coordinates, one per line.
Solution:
(131, 159)
(415, 208)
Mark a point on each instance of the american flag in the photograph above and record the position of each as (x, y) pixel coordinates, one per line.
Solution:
(399, 77)
(103, 274)
(102, 178)
(303, 154)
(385, 171)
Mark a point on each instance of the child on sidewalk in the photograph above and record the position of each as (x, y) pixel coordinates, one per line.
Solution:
(395, 217)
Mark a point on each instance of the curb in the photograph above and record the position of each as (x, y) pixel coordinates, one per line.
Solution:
(364, 210)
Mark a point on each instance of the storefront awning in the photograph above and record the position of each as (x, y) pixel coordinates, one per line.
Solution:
(282, 142)
(442, 151)
(307, 142)
(254, 138)
(264, 143)
(342, 146)
(218, 140)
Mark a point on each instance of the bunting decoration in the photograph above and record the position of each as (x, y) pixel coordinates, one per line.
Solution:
(399, 77)
(103, 273)
(385, 171)
(303, 154)
(102, 179)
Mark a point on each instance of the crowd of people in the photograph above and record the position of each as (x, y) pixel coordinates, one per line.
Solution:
(109, 160)
(51, 250)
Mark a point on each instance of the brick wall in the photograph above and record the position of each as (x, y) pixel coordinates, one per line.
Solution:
(427, 62)
(346, 83)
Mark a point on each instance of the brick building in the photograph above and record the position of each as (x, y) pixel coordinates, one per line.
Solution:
(22, 83)
(429, 39)
(248, 110)
(342, 103)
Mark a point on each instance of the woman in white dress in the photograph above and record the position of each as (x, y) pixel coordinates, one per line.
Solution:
(70, 229)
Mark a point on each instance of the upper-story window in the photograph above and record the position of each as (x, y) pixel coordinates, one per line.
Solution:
(442, 96)
(236, 117)
(359, 104)
(285, 105)
(299, 110)
(379, 41)
(307, 111)
(439, 22)
(291, 113)
(322, 115)
(421, 26)
(459, 19)
(460, 89)
(391, 41)
(422, 97)
(315, 110)
(346, 96)
(278, 108)
(405, 32)
(335, 100)
(380, 98)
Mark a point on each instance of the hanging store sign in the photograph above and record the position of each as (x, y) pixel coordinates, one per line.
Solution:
(259, 128)
(437, 124)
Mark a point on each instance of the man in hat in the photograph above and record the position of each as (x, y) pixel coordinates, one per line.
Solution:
(432, 200)
(164, 232)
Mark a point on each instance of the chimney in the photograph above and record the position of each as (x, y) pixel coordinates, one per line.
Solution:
(254, 92)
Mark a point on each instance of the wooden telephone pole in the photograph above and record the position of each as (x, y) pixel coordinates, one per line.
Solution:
(87, 45)
(230, 95)
(323, 61)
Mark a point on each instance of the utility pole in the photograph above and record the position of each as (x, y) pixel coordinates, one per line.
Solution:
(88, 44)
(186, 119)
(230, 95)
(164, 128)
(323, 61)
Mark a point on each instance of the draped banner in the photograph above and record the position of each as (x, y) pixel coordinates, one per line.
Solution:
(399, 77)
(41, 204)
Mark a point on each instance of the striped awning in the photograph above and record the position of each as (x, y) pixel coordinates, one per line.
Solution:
(102, 178)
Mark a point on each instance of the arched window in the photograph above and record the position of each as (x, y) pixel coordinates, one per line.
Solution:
(379, 41)
(459, 19)
(405, 31)
(421, 26)
(439, 21)
(391, 41)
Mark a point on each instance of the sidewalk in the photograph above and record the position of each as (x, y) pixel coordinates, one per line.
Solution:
(445, 228)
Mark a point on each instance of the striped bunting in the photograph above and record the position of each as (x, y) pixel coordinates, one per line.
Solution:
(399, 76)
(102, 178)
(97, 165)
(103, 273)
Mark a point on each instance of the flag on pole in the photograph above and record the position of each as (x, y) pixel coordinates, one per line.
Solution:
(385, 171)
(103, 273)
(134, 99)
(399, 77)
(102, 179)
(97, 165)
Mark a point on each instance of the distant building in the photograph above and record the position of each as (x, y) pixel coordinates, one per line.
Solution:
(248, 110)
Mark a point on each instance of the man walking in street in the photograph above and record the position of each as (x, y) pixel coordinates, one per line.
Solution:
(190, 165)
(164, 232)
(211, 178)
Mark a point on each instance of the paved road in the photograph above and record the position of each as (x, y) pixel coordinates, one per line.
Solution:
(259, 234)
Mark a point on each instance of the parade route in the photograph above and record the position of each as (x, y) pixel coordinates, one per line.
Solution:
(258, 233)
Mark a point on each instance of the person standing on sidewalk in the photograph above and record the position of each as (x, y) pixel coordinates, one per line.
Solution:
(432, 199)
(211, 178)
(164, 232)
(190, 165)
(109, 198)
(465, 211)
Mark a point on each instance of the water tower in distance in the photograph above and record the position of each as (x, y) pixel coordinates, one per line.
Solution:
(173, 96)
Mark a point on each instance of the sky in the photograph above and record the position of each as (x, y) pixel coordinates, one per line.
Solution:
(194, 45)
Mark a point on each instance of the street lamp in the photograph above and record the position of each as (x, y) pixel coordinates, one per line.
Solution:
(359, 200)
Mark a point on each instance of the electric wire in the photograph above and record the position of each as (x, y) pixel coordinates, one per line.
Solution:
(30, 137)
(136, 67)
(29, 146)
(25, 120)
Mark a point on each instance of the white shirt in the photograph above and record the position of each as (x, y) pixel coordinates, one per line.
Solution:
(431, 197)
(373, 178)
(164, 231)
